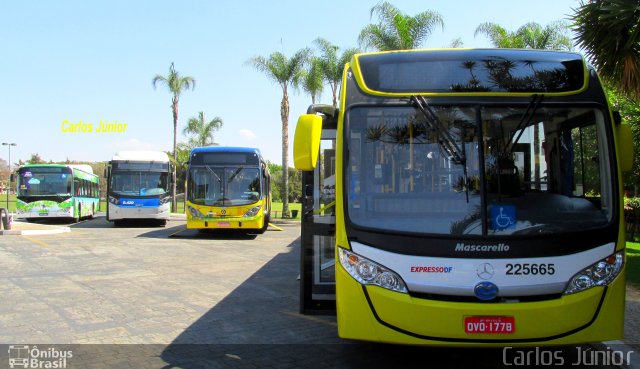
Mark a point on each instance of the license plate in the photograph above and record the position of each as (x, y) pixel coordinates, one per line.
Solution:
(43, 214)
(223, 224)
(489, 324)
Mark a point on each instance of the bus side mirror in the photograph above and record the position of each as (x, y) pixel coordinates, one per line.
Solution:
(306, 142)
(625, 146)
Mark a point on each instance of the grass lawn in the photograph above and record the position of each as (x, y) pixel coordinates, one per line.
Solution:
(12, 202)
(276, 209)
(633, 263)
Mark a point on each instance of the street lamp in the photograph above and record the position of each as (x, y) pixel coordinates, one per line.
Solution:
(9, 144)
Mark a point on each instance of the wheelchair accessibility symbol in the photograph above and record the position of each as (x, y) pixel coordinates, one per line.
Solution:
(503, 217)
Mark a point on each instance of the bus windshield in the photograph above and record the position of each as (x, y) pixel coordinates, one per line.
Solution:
(473, 170)
(139, 183)
(43, 181)
(223, 186)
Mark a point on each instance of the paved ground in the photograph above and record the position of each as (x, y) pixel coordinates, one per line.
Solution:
(187, 301)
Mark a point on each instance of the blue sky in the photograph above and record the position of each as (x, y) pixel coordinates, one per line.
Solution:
(91, 61)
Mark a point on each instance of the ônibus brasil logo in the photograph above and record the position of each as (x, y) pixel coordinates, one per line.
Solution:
(23, 356)
(461, 246)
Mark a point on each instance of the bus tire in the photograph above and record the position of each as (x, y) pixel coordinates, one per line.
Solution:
(162, 222)
(117, 223)
(93, 211)
(76, 219)
(265, 225)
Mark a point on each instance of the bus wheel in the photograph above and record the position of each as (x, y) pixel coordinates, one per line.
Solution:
(265, 226)
(117, 223)
(76, 219)
(93, 211)
(162, 222)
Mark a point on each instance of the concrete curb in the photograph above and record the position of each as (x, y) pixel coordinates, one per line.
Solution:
(34, 232)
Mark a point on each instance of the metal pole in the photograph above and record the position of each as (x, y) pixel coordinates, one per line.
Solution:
(9, 187)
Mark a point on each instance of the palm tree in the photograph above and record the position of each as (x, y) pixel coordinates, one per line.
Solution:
(176, 84)
(555, 36)
(202, 130)
(285, 72)
(333, 65)
(608, 32)
(312, 81)
(396, 30)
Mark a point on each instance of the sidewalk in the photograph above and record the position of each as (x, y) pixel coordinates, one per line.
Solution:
(24, 228)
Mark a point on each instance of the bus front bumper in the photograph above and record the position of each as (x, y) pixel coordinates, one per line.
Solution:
(225, 223)
(117, 212)
(372, 313)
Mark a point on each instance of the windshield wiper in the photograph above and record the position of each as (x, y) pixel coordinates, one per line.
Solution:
(449, 145)
(525, 120)
(234, 174)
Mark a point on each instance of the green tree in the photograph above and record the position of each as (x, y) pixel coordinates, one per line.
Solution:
(312, 81)
(333, 64)
(181, 158)
(285, 72)
(36, 159)
(176, 83)
(295, 183)
(629, 109)
(554, 36)
(609, 33)
(201, 130)
(396, 30)
(456, 43)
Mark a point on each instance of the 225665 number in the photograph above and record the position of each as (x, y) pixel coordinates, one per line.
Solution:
(530, 269)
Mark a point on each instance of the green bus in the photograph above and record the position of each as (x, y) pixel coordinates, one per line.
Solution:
(46, 191)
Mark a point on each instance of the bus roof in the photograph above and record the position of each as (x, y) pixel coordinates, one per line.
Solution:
(226, 149)
(82, 167)
(141, 155)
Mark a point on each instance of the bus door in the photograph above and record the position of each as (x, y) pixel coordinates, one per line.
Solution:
(317, 249)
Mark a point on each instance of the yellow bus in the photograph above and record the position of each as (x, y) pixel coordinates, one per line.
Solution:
(228, 188)
(467, 197)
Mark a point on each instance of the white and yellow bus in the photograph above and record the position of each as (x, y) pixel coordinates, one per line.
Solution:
(476, 199)
(228, 188)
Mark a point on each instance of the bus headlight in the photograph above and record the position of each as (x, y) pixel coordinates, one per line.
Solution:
(195, 213)
(598, 274)
(113, 200)
(253, 211)
(165, 200)
(366, 271)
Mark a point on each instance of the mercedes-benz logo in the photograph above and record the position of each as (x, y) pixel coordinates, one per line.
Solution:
(485, 271)
(486, 291)
(223, 211)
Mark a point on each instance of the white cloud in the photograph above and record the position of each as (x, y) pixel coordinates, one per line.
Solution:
(247, 134)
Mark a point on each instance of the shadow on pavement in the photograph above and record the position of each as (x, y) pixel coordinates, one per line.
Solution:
(258, 326)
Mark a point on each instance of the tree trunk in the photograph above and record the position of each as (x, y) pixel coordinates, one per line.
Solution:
(174, 203)
(284, 115)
